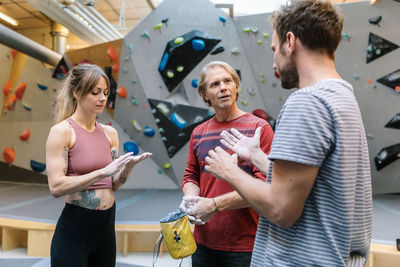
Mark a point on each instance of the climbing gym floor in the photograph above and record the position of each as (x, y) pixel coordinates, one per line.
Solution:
(137, 219)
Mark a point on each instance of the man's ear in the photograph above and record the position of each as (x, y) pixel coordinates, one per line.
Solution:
(291, 42)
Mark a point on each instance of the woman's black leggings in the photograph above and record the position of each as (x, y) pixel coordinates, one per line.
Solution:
(84, 237)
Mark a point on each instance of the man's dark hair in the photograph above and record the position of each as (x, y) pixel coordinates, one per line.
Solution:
(316, 23)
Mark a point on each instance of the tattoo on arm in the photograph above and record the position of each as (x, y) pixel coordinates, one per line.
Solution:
(114, 154)
(64, 154)
(88, 200)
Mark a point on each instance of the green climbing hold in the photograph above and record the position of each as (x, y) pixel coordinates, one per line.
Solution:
(170, 74)
(178, 40)
(281, 99)
(244, 102)
(159, 171)
(262, 80)
(179, 69)
(157, 26)
(262, 74)
(259, 42)
(246, 29)
(167, 165)
(266, 35)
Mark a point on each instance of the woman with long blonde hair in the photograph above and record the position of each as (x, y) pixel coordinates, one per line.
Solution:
(82, 165)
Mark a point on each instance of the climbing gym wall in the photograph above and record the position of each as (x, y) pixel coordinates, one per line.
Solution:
(156, 66)
(161, 62)
(27, 98)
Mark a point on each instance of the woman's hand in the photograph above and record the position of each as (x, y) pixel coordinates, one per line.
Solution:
(115, 166)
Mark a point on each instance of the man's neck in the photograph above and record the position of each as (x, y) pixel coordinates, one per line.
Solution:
(228, 114)
(315, 67)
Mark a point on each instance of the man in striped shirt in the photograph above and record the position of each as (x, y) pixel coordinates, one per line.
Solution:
(316, 206)
(225, 226)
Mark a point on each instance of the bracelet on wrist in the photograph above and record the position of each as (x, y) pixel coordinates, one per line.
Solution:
(215, 204)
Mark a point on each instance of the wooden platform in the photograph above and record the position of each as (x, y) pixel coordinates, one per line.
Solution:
(28, 215)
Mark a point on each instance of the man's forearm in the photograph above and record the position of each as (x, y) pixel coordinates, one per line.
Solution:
(191, 189)
(230, 201)
(261, 161)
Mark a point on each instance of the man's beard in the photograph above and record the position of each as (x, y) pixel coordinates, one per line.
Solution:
(289, 76)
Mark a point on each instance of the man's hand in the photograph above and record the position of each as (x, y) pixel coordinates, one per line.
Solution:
(242, 145)
(185, 206)
(221, 164)
(201, 208)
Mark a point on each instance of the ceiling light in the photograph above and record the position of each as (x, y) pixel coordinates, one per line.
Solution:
(8, 19)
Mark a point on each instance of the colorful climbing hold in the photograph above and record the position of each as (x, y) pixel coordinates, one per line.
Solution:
(375, 20)
(244, 102)
(136, 125)
(134, 101)
(198, 44)
(167, 165)
(259, 42)
(115, 67)
(131, 46)
(41, 85)
(163, 108)
(179, 69)
(346, 36)
(261, 113)
(37, 166)
(178, 121)
(121, 92)
(26, 106)
(131, 147)
(158, 26)
(111, 53)
(165, 21)
(235, 51)
(9, 155)
(148, 131)
(11, 101)
(262, 80)
(6, 88)
(146, 35)
(159, 171)
(24, 135)
(356, 77)
(178, 40)
(222, 19)
(251, 91)
(217, 50)
(265, 35)
(170, 74)
(195, 83)
(163, 62)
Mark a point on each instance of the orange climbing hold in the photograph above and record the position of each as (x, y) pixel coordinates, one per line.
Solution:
(397, 89)
(19, 92)
(14, 53)
(115, 67)
(11, 101)
(9, 155)
(121, 91)
(111, 53)
(6, 88)
(24, 135)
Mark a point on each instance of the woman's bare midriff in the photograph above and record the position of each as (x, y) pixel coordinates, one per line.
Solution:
(96, 199)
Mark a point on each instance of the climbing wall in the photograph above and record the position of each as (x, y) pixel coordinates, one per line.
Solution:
(25, 122)
(162, 105)
(156, 104)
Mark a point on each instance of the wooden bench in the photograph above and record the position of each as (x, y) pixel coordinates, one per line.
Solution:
(36, 237)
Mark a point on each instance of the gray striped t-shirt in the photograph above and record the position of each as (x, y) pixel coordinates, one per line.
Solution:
(321, 125)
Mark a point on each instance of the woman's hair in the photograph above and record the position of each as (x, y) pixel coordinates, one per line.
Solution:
(81, 79)
(201, 89)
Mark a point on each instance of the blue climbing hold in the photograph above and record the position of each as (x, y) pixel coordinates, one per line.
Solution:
(198, 44)
(148, 131)
(131, 147)
(41, 85)
(163, 62)
(37, 166)
(195, 83)
(222, 19)
(178, 121)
